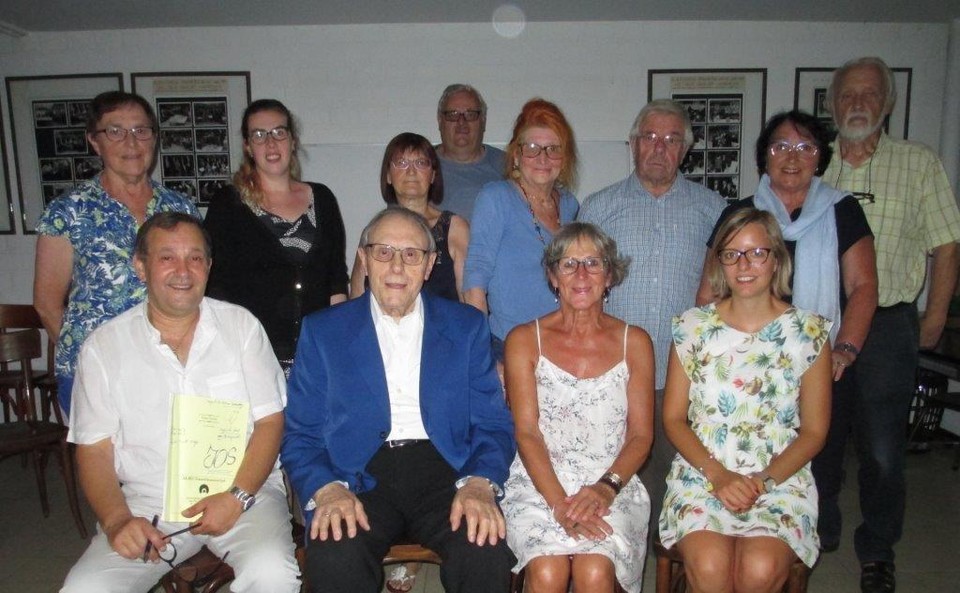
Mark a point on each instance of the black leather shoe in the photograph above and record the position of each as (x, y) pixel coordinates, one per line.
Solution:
(878, 577)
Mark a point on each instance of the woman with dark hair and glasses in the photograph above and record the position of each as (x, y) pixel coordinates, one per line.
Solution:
(747, 406)
(278, 243)
(410, 177)
(84, 264)
(580, 384)
(514, 220)
(834, 262)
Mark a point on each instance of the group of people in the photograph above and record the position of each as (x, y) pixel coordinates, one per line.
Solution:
(611, 381)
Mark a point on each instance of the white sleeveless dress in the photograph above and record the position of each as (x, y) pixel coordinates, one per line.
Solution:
(583, 422)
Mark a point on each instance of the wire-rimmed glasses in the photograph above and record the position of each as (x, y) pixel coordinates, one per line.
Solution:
(410, 256)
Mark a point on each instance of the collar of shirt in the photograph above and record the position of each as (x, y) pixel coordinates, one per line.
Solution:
(202, 333)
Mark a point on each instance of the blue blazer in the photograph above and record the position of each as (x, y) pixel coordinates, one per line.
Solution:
(338, 409)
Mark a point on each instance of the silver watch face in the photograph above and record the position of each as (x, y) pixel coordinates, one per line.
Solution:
(769, 484)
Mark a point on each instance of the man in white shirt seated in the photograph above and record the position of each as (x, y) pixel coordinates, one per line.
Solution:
(130, 369)
(396, 427)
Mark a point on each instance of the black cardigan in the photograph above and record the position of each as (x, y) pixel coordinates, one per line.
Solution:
(251, 269)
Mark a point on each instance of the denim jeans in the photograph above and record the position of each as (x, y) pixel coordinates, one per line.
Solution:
(873, 401)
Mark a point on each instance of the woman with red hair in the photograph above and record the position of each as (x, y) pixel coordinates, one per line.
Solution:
(515, 219)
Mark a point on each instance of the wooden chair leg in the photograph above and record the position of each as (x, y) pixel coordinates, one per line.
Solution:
(70, 479)
(37, 462)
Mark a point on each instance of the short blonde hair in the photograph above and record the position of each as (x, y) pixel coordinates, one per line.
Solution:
(778, 249)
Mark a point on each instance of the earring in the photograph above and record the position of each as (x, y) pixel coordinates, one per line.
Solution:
(515, 172)
(606, 294)
(556, 294)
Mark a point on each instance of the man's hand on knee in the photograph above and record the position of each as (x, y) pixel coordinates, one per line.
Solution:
(476, 503)
(219, 513)
(337, 506)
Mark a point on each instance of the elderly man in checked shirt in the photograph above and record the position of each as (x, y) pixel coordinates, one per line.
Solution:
(662, 221)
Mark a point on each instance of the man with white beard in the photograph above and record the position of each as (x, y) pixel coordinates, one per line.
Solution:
(910, 206)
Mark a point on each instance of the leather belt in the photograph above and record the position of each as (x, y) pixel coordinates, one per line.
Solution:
(403, 443)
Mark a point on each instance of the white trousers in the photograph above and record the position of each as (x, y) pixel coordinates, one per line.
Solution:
(261, 554)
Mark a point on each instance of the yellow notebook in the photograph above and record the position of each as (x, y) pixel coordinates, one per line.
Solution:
(207, 440)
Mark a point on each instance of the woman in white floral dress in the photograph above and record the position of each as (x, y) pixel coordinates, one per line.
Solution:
(748, 406)
(580, 385)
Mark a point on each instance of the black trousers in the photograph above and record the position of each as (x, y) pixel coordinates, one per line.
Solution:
(411, 502)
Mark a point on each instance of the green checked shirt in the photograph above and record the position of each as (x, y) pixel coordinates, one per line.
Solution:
(914, 211)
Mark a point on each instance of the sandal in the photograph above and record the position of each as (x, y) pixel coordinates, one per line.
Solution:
(401, 580)
(878, 577)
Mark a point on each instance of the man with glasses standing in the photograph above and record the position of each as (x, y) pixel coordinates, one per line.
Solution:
(129, 371)
(396, 425)
(912, 211)
(661, 221)
(466, 162)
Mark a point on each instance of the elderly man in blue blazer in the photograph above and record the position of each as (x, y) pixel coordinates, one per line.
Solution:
(396, 425)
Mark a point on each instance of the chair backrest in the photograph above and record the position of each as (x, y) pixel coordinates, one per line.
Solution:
(19, 317)
(22, 346)
(25, 317)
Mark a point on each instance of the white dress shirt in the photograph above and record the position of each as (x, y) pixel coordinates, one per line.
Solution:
(401, 344)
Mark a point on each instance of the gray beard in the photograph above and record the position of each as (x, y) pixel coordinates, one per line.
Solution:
(859, 134)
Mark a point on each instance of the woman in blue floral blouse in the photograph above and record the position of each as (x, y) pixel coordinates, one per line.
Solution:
(747, 406)
(84, 266)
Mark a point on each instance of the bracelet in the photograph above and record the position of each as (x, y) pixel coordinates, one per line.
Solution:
(709, 459)
(847, 347)
(613, 480)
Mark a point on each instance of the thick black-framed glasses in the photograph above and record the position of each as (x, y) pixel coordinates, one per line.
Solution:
(186, 571)
(730, 257)
(410, 256)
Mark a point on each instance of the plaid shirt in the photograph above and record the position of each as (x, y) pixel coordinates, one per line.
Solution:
(666, 239)
(914, 211)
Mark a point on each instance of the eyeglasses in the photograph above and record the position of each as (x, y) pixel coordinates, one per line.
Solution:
(419, 164)
(259, 136)
(569, 265)
(757, 255)
(186, 570)
(801, 148)
(532, 150)
(410, 256)
(453, 115)
(118, 134)
(651, 138)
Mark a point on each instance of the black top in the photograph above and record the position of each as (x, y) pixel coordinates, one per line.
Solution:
(852, 226)
(443, 280)
(252, 269)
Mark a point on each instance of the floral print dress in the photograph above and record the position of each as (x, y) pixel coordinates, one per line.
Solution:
(102, 233)
(584, 423)
(744, 407)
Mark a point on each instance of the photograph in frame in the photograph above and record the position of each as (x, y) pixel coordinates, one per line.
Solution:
(727, 109)
(48, 125)
(810, 95)
(200, 115)
(7, 224)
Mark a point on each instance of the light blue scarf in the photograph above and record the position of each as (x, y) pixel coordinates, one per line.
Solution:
(816, 266)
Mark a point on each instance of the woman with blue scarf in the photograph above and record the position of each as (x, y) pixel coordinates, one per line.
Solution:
(834, 262)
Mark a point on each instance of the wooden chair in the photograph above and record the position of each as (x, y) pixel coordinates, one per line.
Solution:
(671, 577)
(31, 436)
(14, 317)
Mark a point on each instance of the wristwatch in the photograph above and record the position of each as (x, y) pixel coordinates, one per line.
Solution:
(246, 499)
(768, 482)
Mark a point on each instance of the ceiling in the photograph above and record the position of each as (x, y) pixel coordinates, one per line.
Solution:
(21, 17)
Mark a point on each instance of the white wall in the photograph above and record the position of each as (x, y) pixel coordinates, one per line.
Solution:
(359, 85)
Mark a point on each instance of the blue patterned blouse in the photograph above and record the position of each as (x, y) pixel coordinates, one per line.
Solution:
(102, 232)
